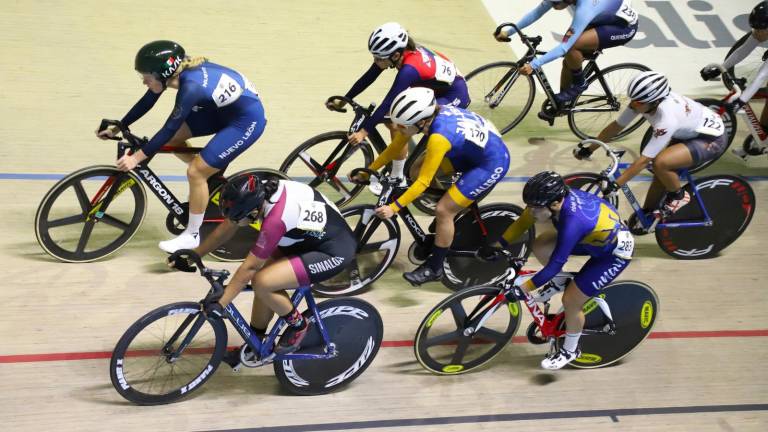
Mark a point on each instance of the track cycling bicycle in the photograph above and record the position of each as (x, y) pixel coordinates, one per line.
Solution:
(378, 241)
(92, 212)
(504, 96)
(697, 230)
(173, 350)
(318, 161)
(470, 327)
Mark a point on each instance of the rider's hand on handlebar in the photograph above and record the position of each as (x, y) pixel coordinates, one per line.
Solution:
(525, 69)
(734, 103)
(610, 187)
(360, 178)
(709, 73)
(108, 133)
(502, 36)
(181, 261)
(582, 153)
(335, 104)
(212, 309)
(384, 212)
(357, 137)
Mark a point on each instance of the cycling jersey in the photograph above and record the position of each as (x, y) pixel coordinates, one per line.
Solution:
(421, 68)
(302, 224)
(740, 54)
(210, 99)
(586, 225)
(677, 117)
(591, 13)
(458, 140)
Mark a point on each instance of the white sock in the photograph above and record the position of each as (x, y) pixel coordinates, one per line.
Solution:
(571, 341)
(195, 221)
(397, 168)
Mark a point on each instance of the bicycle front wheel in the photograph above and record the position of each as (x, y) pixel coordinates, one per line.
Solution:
(603, 100)
(378, 241)
(72, 223)
(634, 307)
(466, 330)
(500, 94)
(148, 367)
(324, 161)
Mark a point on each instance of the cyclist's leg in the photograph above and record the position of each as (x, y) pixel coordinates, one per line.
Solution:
(683, 155)
(180, 140)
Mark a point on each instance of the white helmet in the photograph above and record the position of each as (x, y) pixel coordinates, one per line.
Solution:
(387, 39)
(648, 87)
(412, 105)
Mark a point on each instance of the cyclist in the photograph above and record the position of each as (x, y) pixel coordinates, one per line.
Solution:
(303, 240)
(211, 99)
(585, 225)
(685, 133)
(758, 21)
(392, 47)
(457, 140)
(596, 25)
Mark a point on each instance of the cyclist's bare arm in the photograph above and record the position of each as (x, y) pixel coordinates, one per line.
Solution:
(223, 232)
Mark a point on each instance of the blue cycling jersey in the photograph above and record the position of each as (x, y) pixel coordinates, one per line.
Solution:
(474, 141)
(587, 13)
(213, 92)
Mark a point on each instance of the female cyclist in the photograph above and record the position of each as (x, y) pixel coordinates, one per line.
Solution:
(596, 25)
(211, 99)
(685, 133)
(303, 240)
(585, 225)
(417, 66)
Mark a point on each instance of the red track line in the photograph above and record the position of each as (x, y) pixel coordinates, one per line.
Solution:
(95, 355)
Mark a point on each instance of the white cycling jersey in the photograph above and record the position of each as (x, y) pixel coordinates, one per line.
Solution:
(677, 117)
(740, 54)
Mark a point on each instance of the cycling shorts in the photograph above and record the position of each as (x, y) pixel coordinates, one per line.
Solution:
(612, 35)
(324, 261)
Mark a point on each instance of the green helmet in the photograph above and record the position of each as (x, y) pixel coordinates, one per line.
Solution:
(159, 58)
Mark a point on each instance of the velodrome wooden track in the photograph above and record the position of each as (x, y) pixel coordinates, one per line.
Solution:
(66, 65)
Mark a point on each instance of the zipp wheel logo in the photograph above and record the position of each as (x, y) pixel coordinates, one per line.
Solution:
(693, 252)
(352, 370)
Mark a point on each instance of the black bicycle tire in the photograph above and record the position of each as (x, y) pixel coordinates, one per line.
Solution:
(357, 367)
(365, 147)
(41, 232)
(654, 310)
(626, 131)
(244, 235)
(118, 354)
(478, 98)
(420, 350)
(393, 227)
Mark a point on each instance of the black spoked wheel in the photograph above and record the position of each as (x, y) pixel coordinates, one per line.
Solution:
(378, 242)
(148, 367)
(634, 307)
(355, 329)
(730, 202)
(729, 121)
(324, 161)
(595, 108)
(748, 67)
(236, 248)
(466, 330)
(72, 223)
(500, 94)
(461, 272)
(590, 182)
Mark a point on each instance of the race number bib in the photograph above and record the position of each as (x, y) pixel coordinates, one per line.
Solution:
(445, 71)
(312, 216)
(711, 123)
(625, 245)
(226, 91)
(626, 12)
(473, 131)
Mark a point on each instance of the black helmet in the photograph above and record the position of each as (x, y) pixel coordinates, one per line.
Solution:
(544, 188)
(758, 19)
(241, 196)
(160, 58)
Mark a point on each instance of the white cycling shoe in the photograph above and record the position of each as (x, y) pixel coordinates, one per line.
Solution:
(184, 241)
(561, 358)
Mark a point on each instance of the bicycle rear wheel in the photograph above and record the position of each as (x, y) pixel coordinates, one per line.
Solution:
(378, 242)
(451, 343)
(318, 162)
(634, 307)
(355, 328)
(594, 109)
(70, 224)
(143, 369)
(236, 248)
(730, 202)
(500, 94)
(461, 272)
